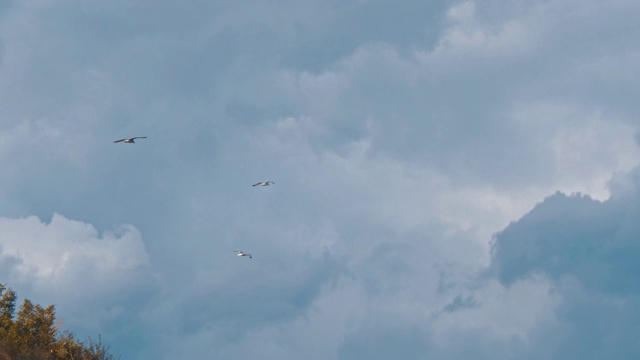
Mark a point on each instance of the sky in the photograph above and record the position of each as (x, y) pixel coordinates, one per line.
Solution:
(453, 179)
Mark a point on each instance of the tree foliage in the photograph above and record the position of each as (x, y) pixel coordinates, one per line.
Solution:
(32, 334)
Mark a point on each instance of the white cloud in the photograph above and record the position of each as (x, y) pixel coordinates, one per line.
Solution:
(584, 147)
(470, 36)
(68, 262)
(501, 35)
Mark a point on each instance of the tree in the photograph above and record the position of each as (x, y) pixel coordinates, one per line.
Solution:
(33, 334)
(7, 307)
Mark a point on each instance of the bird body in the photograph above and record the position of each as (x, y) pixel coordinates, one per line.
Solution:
(263, 183)
(242, 253)
(130, 140)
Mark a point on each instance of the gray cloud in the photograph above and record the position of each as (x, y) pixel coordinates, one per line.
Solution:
(573, 235)
(589, 250)
(400, 137)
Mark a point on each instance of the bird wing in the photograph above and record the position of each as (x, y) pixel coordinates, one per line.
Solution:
(117, 141)
(138, 137)
(256, 184)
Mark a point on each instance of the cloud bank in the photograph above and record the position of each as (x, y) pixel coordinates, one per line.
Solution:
(428, 158)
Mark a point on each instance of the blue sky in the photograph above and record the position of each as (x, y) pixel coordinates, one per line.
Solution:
(453, 179)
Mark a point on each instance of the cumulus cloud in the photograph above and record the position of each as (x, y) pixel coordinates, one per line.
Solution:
(526, 311)
(575, 235)
(68, 262)
(468, 35)
(564, 276)
(588, 249)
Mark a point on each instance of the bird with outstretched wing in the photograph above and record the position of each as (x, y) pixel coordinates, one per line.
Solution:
(130, 140)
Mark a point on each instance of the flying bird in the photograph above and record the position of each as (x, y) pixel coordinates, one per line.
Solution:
(130, 140)
(241, 253)
(263, 183)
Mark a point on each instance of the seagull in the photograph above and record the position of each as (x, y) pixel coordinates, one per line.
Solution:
(263, 183)
(240, 253)
(130, 140)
